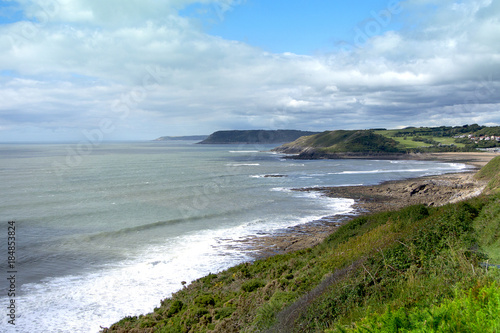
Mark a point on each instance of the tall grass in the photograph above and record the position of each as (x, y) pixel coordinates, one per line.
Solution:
(476, 310)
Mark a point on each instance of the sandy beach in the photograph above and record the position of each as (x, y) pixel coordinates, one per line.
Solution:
(431, 191)
(477, 159)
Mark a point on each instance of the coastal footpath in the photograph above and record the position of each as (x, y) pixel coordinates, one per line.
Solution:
(415, 259)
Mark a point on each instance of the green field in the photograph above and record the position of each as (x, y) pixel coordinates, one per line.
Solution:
(408, 143)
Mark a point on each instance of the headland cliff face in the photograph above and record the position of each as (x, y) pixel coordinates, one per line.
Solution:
(255, 136)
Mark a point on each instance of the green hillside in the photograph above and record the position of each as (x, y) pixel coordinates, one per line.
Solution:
(490, 173)
(396, 141)
(343, 141)
(418, 269)
(444, 138)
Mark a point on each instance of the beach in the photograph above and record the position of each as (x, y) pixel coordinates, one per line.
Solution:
(431, 191)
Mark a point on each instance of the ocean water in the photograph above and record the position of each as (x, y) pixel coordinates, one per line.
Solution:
(111, 231)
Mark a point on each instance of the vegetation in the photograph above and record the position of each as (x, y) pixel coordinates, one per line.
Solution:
(490, 172)
(415, 269)
(342, 141)
(443, 138)
(441, 131)
(383, 141)
(474, 310)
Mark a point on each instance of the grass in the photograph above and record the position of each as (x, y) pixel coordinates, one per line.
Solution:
(490, 173)
(473, 310)
(417, 269)
(487, 226)
(408, 143)
(412, 140)
(447, 141)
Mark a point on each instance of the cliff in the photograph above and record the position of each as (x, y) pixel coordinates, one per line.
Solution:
(255, 136)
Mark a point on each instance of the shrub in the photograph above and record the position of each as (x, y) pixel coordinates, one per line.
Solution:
(252, 285)
(204, 300)
(476, 311)
(175, 308)
(224, 313)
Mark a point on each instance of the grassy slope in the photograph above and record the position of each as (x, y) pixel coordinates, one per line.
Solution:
(489, 233)
(414, 261)
(490, 172)
(343, 141)
(430, 139)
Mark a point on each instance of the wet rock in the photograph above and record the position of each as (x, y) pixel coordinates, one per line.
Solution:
(417, 189)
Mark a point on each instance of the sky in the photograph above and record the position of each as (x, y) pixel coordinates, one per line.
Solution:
(73, 70)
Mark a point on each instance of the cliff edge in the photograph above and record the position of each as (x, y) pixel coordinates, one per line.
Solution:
(254, 136)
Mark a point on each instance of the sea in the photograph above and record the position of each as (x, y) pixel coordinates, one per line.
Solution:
(106, 231)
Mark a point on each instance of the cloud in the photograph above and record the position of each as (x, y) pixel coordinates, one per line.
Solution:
(74, 62)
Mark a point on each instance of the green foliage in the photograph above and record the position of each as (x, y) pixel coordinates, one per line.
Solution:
(491, 173)
(342, 141)
(429, 141)
(455, 221)
(252, 285)
(380, 141)
(487, 227)
(488, 131)
(357, 141)
(441, 131)
(266, 314)
(490, 170)
(224, 312)
(176, 307)
(204, 300)
(200, 312)
(421, 266)
(443, 138)
(474, 310)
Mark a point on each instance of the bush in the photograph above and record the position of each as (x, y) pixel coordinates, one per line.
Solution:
(223, 313)
(252, 285)
(204, 300)
(476, 311)
(200, 312)
(175, 308)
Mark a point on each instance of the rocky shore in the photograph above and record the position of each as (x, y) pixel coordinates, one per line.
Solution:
(431, 191)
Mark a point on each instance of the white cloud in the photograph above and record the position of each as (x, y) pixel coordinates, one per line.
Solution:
(72, 66)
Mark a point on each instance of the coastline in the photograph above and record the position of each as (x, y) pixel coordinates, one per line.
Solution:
(429, 190)
(242, 291)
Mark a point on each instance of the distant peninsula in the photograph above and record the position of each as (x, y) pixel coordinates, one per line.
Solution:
(182, 138)
(255, 136)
